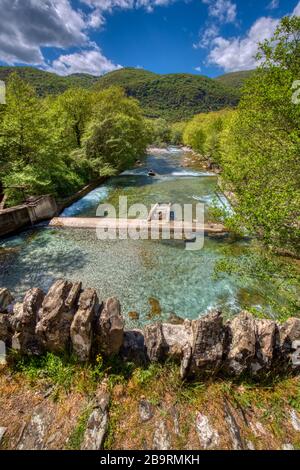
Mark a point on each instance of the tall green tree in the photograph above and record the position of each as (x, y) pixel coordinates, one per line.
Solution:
(117, 134)
(261, 144)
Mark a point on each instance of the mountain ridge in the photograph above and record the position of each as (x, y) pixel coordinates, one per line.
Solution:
(175, 97)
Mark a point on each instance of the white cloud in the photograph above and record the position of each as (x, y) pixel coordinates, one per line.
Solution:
(198, 69)
(210, 33)
(108, 6)
(224, 10)
(273, 5)
(87, 61)
(29, 25)
(296, 11)
(239, 53)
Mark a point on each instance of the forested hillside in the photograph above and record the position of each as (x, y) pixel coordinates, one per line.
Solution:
(235, 79)
(48, 83)
(173, 97)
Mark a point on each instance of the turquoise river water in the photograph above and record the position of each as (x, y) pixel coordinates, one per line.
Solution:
(149, 277)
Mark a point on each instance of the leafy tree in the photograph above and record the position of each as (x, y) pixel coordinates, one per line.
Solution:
(176, 133)
(160, 131)
(23, 127)
(117, 134)
(203, 133)
(71, 111)
(194, 135)
(261, 144)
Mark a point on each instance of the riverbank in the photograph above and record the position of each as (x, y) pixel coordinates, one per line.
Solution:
(53, 405)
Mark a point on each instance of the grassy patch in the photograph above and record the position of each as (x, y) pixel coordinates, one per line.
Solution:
(76, 437)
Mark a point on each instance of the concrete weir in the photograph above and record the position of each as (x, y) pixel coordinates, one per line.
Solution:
(175, 227)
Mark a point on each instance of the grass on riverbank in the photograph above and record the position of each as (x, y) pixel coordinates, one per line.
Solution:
(261, 411)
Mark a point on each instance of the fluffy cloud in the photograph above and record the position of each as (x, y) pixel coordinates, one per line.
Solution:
(239, 53)
(29, 25)
(102, 6)
(224, 10)
(88, 61)
(296, 11)
(206, 37)
(273, 5)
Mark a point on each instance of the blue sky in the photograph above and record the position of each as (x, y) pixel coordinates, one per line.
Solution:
(208, 37)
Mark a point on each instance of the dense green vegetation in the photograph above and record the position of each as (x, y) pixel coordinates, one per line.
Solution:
(46, 82)
(57, 144)
(172, 97)
(235, 79)
(258, 146)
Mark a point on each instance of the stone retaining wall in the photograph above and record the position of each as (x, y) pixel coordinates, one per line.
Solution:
(35, 210)
(71, 319)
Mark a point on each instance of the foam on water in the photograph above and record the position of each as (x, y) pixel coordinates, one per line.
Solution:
(187, 173)
(89, 201)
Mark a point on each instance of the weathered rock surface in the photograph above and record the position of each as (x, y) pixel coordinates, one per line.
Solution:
(288, 446)
(176, 339)
(241, 346)
(266, 338)
(295, 420)
(82, 324)
(155, 342)
(133, 347)
(208, 344)
(68, 319)
(24, 322)
(110, 327)
(161, 437)
(56, 315)
(208, 436)
(233, 428)
(146, 411)
(289, 333)
(97, 425)
(6, 300)
(35, 433)
(2, 432)
(4, 327)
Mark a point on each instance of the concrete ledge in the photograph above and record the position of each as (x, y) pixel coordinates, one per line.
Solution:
(35, 210)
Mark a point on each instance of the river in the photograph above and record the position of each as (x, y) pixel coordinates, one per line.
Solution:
(152, 278)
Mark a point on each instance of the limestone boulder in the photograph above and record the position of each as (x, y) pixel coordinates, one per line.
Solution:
(110, 328)
(133, 347)
(289, 342)
(24, 322)
(5, 334)
(266, 337)
(208, 344)
(177, 338)
(161, 437)
(56, 315)
(155, 344)
(241, 344)
(97, 424)
(82, 324)
(6, 300)
(208, 436)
